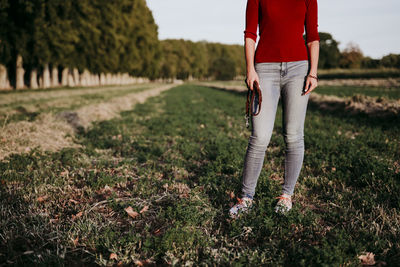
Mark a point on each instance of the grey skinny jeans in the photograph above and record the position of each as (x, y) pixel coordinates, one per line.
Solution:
(285, 79)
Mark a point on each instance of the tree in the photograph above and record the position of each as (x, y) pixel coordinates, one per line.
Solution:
(329, 55)
(351, 56)
(223, 66)
(391, 61)
(370, 63)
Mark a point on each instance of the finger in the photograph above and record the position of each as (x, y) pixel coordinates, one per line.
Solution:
(308, 84)
(248, 83)
(308, 87)
(251, 84)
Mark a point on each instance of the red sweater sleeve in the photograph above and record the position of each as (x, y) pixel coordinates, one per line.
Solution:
(251, 19)
(311, 22)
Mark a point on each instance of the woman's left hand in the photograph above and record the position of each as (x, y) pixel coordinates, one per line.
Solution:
(311, 84)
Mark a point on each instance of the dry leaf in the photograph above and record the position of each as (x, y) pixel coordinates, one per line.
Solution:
(42, 198)
(76, 241)
(145, 208)
(79, 214)
(232, 195)
(54, 220)
(142, 263)
(184, 195)
(131, 212)
(73, 201)
(157, 232)
(367, 259)
(64, 173)
(113, 256)
(139, 263)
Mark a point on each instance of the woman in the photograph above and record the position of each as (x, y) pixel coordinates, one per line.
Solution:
(282, 66)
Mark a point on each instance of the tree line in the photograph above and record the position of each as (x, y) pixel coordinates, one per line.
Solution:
(76, 42)
(50, 43)
(351, 57)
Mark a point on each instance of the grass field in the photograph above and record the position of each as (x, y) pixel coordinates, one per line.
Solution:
(392, 93)
(28, 104)
(343, 91)
(155, 184)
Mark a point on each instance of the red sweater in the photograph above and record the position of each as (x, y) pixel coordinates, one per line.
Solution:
(282, 24)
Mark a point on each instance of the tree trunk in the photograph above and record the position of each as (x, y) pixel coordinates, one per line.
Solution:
(46, 76)
(4, 83)
(54, 77)
(64, 77)
(19, 74)
(97, 80)
(103, 79)
(109, 79)
(71, 82)
(33, 81)
(75, 74)
(83, 78)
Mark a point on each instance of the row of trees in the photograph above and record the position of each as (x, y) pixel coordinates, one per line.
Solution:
(199, 60)
(76, 42)
(351, 57)
(186, 59)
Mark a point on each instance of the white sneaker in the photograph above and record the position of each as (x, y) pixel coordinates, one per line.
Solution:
(243, 206)
(284, 204)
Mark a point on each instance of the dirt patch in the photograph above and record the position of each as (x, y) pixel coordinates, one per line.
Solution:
(391, 82)
(112, 108)
(30, 102)
(52, 132)
(372, 106)
(46, 131)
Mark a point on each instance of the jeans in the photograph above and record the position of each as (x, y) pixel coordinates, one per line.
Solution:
(286, 80)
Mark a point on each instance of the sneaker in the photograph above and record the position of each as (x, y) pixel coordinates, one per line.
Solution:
(284, 204)
(243, 206)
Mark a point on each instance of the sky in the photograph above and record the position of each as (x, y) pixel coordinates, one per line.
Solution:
(373, 25)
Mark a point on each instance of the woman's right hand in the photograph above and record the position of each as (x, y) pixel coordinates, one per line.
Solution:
(252, 77)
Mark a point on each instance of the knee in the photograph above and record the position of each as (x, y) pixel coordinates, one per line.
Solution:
(259, 142)
(294, 140)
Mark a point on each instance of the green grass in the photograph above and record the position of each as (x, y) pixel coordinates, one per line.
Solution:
(359, 73)
(181, 155)
(345, 91)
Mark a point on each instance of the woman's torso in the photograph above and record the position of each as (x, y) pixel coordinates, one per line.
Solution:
(281, 28)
